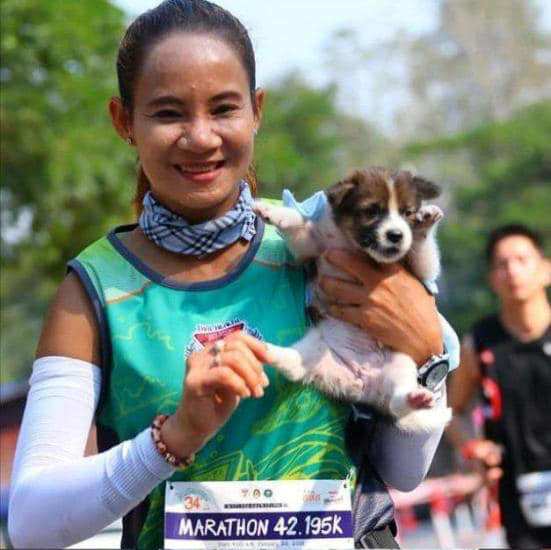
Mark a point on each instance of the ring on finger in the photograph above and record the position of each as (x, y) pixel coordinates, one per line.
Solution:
(218, 347)
(216, 360)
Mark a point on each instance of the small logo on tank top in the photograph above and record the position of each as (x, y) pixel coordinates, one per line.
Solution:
(206, 334)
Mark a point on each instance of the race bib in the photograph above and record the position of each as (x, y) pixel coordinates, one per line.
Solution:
(535, 497)
(236, 515)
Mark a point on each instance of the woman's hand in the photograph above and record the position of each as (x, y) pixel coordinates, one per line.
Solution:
(386, 301)
(216, 381)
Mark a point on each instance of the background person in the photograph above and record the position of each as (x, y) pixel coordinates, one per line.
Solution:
(508, 357)
(197, 269)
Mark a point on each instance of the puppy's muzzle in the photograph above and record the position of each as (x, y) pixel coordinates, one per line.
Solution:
(394, 236)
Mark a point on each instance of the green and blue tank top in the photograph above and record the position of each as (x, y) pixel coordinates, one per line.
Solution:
(149, 325)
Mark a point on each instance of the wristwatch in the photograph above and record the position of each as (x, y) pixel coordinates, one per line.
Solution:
(434, 371)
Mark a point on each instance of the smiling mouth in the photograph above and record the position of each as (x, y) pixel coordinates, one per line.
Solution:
(198, 167)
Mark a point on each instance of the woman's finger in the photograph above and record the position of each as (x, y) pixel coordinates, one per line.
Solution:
(245, 351)
(354, 264)
(225, 379)
(361, 267)
(344, 292)
(349, 314)
(242, 367)
(258, 347)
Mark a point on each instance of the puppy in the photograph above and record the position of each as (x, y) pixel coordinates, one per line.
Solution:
(381, 214)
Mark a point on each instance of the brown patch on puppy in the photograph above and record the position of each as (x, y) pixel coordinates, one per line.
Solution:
(368, 186)
(367, 198)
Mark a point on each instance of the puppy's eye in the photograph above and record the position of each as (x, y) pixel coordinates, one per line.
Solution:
(408, 212)
(372, 210)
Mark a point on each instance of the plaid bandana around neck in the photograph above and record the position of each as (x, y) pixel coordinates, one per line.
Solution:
(171, 232)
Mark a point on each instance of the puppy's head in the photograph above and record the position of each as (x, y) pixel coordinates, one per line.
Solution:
(375, 208)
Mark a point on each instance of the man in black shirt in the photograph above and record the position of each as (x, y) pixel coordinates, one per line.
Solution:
(508, 357)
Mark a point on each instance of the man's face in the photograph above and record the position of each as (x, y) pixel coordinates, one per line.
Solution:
(519, 270)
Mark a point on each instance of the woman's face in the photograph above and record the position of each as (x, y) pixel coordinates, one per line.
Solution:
(193, 124)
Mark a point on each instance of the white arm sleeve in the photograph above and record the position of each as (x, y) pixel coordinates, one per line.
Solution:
(402, 459)
(59, 497)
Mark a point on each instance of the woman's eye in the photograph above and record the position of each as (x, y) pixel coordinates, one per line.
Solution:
(225, 109)
(167, 113)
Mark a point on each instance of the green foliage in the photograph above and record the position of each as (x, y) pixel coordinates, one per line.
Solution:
(512, 163)
(306, 141)
(60, 156)
(61, 162)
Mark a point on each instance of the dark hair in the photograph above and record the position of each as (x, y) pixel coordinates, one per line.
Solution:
(190, 16)
(510, 230)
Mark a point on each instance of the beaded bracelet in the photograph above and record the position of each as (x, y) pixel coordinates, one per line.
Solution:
(173, 460)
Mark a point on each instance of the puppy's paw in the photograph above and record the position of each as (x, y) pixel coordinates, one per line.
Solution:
(420, 398)
(427, 216)
(279, 216)
(398, 405)
(263, 209)
(288, 361)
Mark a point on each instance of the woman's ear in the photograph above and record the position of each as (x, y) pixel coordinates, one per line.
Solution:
(120, 118)
(259, 96)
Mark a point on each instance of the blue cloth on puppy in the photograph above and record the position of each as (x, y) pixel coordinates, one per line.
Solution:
(311, 208)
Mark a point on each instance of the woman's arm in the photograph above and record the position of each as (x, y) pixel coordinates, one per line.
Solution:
(402, 459)
(387, 445)
(58, 497)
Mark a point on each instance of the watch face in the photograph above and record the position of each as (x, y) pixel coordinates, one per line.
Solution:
(436, 374)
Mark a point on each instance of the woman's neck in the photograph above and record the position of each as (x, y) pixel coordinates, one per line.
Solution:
(527, 320)
(181, 268)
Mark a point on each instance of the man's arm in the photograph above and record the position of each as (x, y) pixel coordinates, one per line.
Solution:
(462, 387)
(463, 384)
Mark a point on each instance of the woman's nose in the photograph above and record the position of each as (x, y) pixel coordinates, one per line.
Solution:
(199, 135)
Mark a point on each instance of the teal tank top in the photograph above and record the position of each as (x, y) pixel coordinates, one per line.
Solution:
(149, 325)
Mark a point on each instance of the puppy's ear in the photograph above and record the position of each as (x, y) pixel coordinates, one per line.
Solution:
(338, 192)
(425, 188)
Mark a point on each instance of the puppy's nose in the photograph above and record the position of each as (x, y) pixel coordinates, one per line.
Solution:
(394, 235)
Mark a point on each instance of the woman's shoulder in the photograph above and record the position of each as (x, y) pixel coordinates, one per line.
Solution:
(107, 266)
(71, 327)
